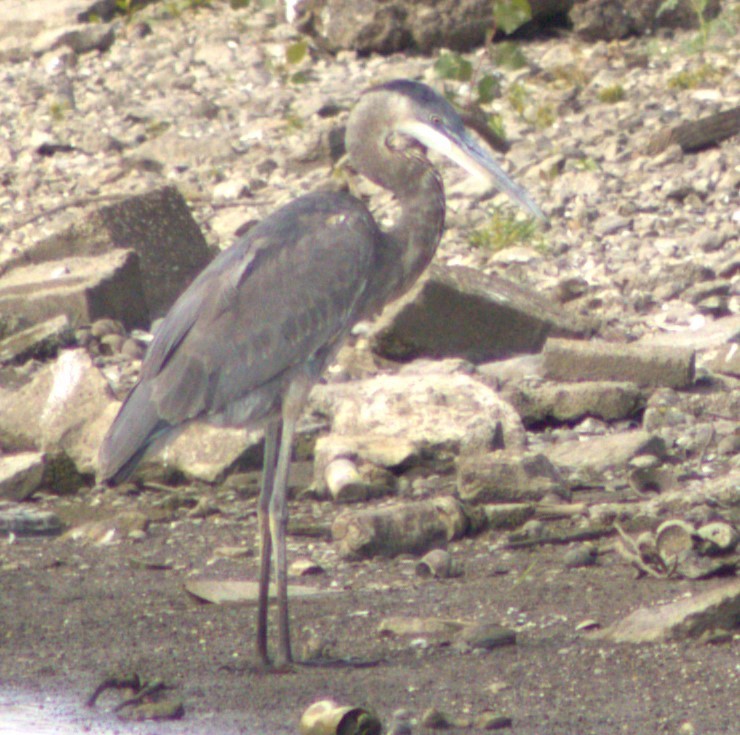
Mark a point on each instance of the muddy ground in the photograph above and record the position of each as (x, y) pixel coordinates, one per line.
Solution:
(73, 613)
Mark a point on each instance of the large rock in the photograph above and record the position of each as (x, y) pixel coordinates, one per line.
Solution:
(157, 224)
(586, 462)
(208, 453)
(429, 414)
(65, 408)
(611, 19)
(23, 20)
(717, 609)
(388, 26)
(40, 341)
(460, 312)
(20, 475)
(508, 477)
(573, 401)
(81, 288)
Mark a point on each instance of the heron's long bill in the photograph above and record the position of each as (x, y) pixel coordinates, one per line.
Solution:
(463, 150)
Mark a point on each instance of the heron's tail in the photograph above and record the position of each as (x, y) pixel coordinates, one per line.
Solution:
(130, 436)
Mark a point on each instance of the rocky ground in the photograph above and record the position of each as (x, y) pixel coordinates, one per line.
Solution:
(558, 543)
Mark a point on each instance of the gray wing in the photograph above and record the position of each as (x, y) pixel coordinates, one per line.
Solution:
(288, 289)
(279, 296)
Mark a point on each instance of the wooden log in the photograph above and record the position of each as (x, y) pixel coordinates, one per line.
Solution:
(412, 528)
(697, 134)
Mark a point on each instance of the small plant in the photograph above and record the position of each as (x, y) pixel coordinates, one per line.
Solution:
(295, 54)
(176, 8)
(456, 68)
(693, 78)
(508, 15)
(586, 164)
(699, 7)
(505, 229)
(508, 54)
(571, 75)
(496, 123)
(453, 67)
(611, 94)
(57, 110)
(544, 116)
(518, 98)
(294, 121)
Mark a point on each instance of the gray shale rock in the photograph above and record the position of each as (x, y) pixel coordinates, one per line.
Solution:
(460, 312)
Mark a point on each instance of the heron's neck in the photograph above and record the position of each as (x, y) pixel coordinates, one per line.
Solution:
(410, 245)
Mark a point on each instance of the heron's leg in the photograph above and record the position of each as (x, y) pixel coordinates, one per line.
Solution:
(269, 464)
(278, 526)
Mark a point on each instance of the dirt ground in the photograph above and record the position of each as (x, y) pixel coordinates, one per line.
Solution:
(72, 614)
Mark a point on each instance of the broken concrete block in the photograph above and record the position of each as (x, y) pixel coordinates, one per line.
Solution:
(573, 401)
(645, 365)
(460, 312)
(20, 475)
(158, 225)
(82, 288)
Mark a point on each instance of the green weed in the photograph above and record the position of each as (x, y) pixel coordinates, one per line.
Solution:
(505, 229)
(611, 94)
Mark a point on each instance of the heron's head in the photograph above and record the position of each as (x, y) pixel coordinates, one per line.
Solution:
(404, 114)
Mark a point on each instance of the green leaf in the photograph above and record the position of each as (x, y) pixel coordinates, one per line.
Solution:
(488, 89)
(509, 55)
(296, 52)
(508, 15)
(453, 66)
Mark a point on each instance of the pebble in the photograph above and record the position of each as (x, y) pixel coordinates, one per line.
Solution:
(580, 556)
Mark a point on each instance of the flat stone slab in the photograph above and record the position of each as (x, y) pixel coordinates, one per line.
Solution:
(20, 520)
(460, 312)
(586, 461)
(686, 618)
(220, 591)
(82, 288)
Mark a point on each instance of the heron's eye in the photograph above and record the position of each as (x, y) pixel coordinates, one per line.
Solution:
(436, 120)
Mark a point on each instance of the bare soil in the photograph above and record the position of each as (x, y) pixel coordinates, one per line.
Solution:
(72, 614)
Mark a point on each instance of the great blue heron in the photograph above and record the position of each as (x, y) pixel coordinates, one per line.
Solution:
(255, 330)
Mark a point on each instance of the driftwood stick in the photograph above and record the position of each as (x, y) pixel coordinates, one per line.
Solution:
(697, 134)
(515, 542)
